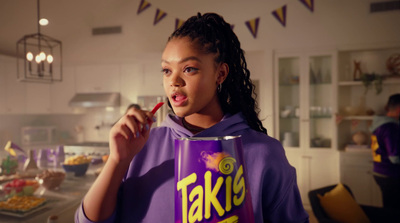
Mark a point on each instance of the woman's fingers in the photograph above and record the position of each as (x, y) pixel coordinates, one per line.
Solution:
(136, 122)
(133, 126)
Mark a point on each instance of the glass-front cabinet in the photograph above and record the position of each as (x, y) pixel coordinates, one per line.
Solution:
(305, 104)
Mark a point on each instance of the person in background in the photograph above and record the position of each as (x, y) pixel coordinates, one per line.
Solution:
(133, 106)
(208, 85)
(385, 145)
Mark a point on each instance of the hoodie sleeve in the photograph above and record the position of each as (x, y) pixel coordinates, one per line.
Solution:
(80, 216)
(391, 139)
(287, 205)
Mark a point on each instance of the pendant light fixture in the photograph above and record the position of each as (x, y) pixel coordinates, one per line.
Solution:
(39, 57)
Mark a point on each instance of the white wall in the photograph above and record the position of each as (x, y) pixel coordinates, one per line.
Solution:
(333, 24)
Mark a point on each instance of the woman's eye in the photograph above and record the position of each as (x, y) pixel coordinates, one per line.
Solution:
(165, 71)
(190, 69)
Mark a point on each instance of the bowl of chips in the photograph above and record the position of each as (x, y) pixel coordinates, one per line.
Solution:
(77, 164)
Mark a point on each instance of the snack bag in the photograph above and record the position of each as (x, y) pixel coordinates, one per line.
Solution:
(211, 183)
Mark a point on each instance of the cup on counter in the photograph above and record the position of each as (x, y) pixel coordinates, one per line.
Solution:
(289, 139)
(42, 159)
(59, 156)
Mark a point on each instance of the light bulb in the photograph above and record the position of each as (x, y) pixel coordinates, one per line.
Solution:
(37, 59)
(43, 22)
(29, 56)
(50, 58)
(42, 56)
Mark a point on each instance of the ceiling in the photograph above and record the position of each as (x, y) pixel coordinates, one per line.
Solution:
(72, 21)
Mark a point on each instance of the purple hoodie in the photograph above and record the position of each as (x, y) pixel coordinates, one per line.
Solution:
(147, 191)
(386, 146)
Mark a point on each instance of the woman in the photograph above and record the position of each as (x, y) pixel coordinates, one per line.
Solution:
(209, 89)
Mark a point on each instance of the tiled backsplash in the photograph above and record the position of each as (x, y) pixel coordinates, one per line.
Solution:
(94, 125)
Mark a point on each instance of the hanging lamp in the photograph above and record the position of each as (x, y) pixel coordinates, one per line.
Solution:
(39, 57)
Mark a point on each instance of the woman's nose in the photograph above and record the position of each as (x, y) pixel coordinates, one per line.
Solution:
(176, 80)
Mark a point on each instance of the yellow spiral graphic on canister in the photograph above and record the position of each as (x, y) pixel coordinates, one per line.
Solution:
(227, 165)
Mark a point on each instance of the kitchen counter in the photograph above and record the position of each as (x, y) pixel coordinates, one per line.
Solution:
(62, 202)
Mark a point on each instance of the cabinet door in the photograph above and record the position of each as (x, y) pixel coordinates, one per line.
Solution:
(304, 105)
(3, 84)
(62, 92)
(356, 172)
(287, 106)
(306, 99)
(320, 129)
(97, 78)
(314, 169)
(131, 84)
(37, 98)
(15, 90)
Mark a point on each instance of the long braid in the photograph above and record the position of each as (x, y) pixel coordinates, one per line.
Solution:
(214, 35)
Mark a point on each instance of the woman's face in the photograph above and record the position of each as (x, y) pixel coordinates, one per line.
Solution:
(191, 78)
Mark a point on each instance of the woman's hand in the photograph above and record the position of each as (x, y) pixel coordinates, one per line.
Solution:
(129, 134)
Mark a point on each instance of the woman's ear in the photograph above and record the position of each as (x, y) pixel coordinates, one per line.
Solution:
(223, 72)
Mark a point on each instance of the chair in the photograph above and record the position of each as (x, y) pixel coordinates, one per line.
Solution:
(374, 214)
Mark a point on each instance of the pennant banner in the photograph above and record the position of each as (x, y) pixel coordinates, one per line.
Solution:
(280, 15)
(178, 23)
(159, 15)
(143, 5)
(309, 4)
(252, 25)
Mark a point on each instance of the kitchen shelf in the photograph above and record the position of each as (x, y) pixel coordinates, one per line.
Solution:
(360, 83)
(311, 117)
(358, 117)
(353, 93)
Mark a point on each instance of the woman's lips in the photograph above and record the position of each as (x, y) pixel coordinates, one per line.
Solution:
(178, 99)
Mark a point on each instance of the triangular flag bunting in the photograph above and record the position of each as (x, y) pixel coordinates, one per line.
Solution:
(280, 15)
(309, 4)
(159, 15)
(232, 26)
(252, 25)
(143, 5)
(178, 23)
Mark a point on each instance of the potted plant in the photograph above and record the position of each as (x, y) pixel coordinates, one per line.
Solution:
(370, 80)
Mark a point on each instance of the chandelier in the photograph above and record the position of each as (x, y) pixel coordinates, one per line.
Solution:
(39, 57)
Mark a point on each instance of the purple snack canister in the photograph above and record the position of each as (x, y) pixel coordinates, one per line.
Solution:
(211, 183)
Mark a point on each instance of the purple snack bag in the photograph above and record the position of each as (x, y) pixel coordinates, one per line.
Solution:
(211, 183)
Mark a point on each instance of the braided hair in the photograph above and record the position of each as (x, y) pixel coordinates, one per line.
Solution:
(214, 35)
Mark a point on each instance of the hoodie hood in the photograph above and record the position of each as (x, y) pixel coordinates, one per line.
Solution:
(230, 125)
(380, 120)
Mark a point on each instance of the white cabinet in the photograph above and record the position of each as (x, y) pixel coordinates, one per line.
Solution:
(62, 92)
(131, 84)
(15, 102)
(3, 85)
(305, 101)
(97, 78)
(356, 105)
(37, 98)
(21, 97)
(356, 172)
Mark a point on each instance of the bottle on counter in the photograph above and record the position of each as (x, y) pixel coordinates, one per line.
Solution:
(42, 159)
(30, 163)
(59, 156)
